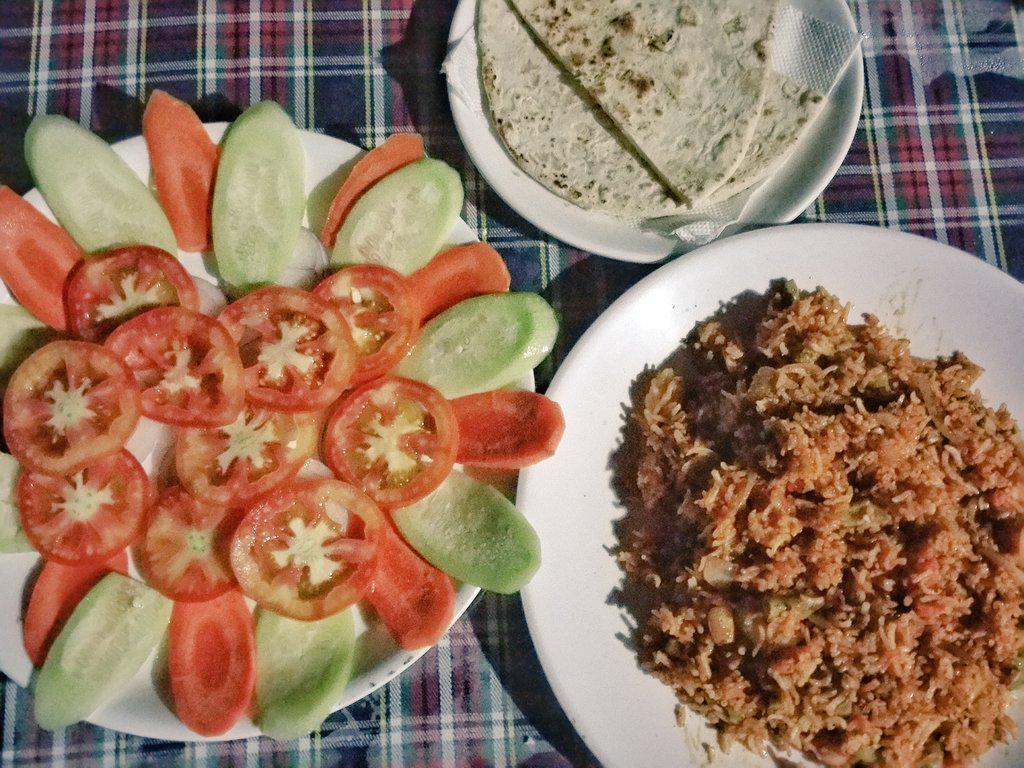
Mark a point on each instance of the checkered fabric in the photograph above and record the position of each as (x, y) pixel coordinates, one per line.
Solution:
(939, 152)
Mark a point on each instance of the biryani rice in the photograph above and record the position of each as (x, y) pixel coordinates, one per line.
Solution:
(831, 531)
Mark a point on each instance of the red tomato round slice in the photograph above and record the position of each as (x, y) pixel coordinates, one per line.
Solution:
(232, 465)
(381, 315)
(393, 438)
(69, 404)
(186, 365)
(184, 552)
(308, 550)
(296, 349)
(211, 656)
(88, 516)
(105, 290)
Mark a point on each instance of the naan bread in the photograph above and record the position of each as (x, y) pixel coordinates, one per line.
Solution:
(555, 136)
(684, 81)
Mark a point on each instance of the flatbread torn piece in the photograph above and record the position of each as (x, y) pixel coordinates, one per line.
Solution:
(554, 135)
(683, 81)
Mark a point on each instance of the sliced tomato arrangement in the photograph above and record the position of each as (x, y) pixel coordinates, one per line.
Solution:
(57, 591)
(381, 313)
(232, 465)
(297, 350)
(394, 438)
(212, 662)
(105, 290)
(184, 550)
(308, 550)
(186, 365)
(68, 405)
(88, 516)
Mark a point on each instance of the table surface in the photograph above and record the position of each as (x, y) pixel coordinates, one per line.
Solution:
(939, 152)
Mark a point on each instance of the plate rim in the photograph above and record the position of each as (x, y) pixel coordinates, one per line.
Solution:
(676, 270)
(384, 670)
(648, 247)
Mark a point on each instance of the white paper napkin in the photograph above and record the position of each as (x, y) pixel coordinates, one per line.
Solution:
(810, 52)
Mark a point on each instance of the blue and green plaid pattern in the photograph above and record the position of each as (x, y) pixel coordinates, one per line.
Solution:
(940, 152)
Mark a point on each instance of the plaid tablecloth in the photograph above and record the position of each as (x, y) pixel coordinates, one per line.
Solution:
(939, 153)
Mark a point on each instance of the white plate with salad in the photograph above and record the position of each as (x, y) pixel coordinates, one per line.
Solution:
(218, 490)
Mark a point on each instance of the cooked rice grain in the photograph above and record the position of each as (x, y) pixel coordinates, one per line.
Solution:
(832, 530)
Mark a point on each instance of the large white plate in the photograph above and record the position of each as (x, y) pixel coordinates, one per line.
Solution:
(778, 200)
(942, 299)
(139, 709)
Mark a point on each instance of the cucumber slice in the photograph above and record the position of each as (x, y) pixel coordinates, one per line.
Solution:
(259, 198)
(21, 334)
(12, 537)
(93, 193)
(403, 220)
(482, 344)
(302, 668)
(105, 642)
(474, 534)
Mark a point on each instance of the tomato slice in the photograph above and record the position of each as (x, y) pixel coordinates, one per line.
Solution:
(88, 516)
(186, 364)
(309, 550)
(297, 350)
(212, 660)
(184, 552)
(69, 404)
(232, 465)
(414, 599)
(394, 438)
(381, 314)
(105, 290)
(57, 591)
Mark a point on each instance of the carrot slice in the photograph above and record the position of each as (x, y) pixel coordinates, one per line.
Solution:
(57, 591)
(398, 150)
(414, 599)
(212, 660)
(459, 273)
(35, 257)
(507, 429)
(184, 162)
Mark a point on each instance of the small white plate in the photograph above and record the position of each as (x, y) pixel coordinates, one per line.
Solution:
(942, 299)
(139, 709)
(778, 200)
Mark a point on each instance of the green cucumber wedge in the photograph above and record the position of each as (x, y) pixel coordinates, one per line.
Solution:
(302, 668)
(93, 193)
(259, 198)
(473, 533)
(21, 334)
(105, 642)
(12, 537)
(482, 343)
(403, 220)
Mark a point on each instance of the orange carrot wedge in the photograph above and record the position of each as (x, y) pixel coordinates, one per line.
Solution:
(57, 591)
(212, 660)
(459, 273)
(507, 429)
(35, 257)
(184, 162)
(415, 601)
(399, 150)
